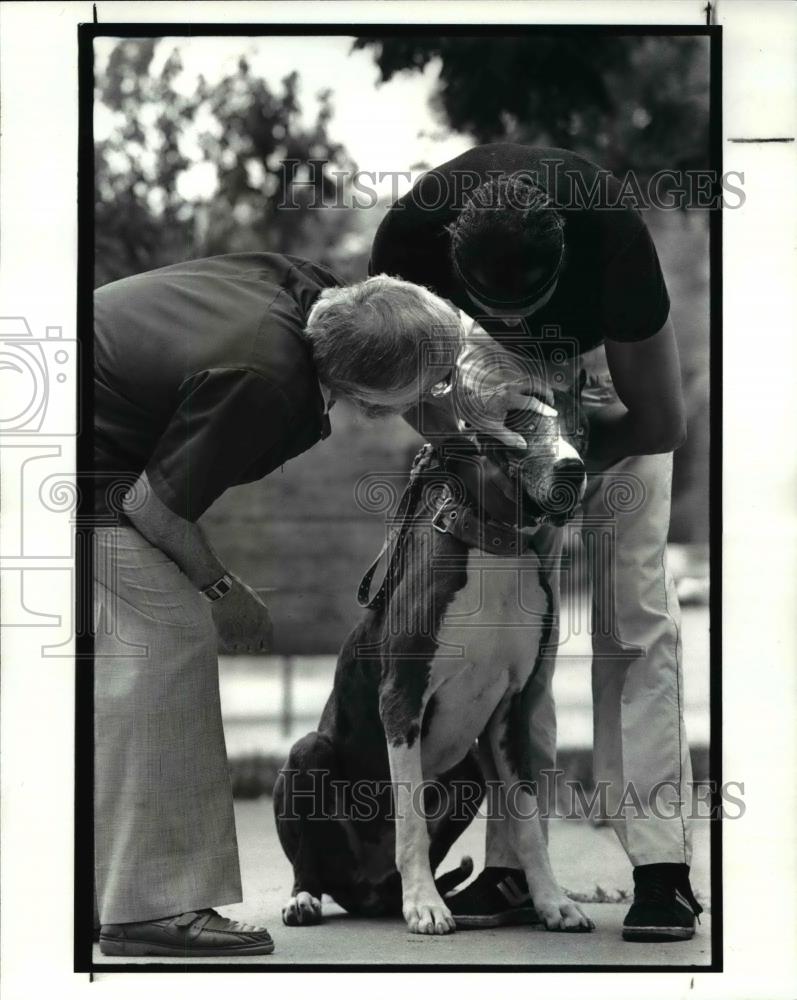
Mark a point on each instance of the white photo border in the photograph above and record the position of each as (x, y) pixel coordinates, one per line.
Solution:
(38, 248)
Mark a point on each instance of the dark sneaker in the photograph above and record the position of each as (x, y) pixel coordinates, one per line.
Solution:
(664, 907)
(196, 934)
(496, 898)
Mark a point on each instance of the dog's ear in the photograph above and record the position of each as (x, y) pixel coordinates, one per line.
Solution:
(582, 380)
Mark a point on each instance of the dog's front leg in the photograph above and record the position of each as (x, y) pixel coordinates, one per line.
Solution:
(505, 736)
(423, 908)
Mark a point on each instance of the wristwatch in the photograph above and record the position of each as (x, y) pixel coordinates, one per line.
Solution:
(217, 590)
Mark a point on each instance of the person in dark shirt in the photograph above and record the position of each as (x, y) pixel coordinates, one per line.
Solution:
(208, 374)
(535, 248)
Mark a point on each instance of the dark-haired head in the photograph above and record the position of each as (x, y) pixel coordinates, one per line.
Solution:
(507, 245)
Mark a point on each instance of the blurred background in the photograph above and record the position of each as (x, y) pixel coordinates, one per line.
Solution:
(191, 139)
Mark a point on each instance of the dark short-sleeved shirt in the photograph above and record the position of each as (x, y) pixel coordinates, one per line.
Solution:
(611, 286)
(202, 376)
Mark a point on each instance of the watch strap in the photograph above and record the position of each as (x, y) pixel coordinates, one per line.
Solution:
(217, 590)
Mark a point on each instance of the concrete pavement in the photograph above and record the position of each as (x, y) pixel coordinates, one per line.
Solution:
(587, 860)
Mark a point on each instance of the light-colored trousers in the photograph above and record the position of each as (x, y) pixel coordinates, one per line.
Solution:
(164, 827)
(640, 748)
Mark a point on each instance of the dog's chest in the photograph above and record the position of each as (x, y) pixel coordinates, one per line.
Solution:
(487, 645)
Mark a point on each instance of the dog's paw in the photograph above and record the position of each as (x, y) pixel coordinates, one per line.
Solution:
(302, 910)
(562, 914)
(430, 916)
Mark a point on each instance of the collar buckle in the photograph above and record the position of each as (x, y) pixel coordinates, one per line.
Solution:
(438, 514)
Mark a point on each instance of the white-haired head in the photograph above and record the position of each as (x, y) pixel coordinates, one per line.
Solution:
(368, 341)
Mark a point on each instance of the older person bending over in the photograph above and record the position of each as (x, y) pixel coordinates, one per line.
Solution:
(208, 374)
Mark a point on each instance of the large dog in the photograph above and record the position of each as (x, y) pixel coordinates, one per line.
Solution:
(368, 806)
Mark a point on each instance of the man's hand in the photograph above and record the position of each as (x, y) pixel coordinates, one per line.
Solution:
(243, 621)
(490, 382)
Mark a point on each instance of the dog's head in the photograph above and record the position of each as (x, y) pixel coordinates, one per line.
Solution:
(548, 475)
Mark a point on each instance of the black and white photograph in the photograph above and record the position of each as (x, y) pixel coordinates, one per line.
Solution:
(399, 516)
(442, 301)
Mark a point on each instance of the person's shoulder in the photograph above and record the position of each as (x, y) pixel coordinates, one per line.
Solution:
(263, 265)
(433, 201)
(263, 338)
(221, 266)
(282, 346)
(278, 270)
(491, 159)
(134, 292)
(411, 239)
(448, 184)
(597, 204)
(494, 157)
(572, 181)
(568, 157)
(317, 274)
(127, 281)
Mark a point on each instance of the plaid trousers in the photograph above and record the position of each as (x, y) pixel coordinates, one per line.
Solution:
(164, 828)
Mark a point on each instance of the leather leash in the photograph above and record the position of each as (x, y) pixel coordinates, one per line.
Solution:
(460, 520)
(405, 511)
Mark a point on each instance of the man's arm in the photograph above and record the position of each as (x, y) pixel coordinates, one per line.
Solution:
(183, 541)
(651, 417)
(242, 619)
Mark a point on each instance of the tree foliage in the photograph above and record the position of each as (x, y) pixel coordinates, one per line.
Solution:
(628, 102)
(253, 143)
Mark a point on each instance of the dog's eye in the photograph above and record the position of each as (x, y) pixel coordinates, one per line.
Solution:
(441, 388)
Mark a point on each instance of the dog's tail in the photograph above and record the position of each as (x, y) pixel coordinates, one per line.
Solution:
(450, 880)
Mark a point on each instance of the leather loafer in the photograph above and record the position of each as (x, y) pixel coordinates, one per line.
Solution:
(196, 934)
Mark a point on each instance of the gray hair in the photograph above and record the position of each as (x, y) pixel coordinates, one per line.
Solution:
(369, 336)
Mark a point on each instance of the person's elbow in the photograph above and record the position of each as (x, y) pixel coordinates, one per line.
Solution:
(150, 516)
(667, 435)
(675, 439)
(680, 436)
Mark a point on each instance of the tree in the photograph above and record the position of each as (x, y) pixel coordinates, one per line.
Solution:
(628, 102)
(253, 144)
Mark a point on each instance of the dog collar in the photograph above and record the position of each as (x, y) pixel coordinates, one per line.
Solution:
(460, 520)
(480, 531)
